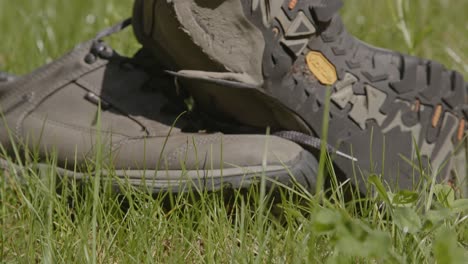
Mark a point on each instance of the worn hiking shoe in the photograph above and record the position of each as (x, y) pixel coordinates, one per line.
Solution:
(55, 109)
(271, 62)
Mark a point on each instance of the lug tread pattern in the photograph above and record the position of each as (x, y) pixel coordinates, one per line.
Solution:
(414, 91)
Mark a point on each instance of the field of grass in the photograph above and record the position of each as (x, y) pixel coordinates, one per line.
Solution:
(46, 221)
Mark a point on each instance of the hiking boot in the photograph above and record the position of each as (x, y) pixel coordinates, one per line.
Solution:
(62, 107)
(273, 62)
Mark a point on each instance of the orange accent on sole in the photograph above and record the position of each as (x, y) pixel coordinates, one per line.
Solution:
(416, 106)
(436, 116)
(461, 129)
(275, 31)
(292, 4)
(321, 68)
(452, 184)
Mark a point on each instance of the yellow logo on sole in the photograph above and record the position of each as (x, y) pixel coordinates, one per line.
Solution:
(321, 67)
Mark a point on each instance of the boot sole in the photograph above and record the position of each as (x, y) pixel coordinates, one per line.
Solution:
(303, 172)
(376, 114)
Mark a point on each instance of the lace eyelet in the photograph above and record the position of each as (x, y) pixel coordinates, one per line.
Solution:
(101, 50)
(105, 52)
(90, 58)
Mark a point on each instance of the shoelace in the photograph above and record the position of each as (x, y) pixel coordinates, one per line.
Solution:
(99, 48)
(119, 26)
(310, 141)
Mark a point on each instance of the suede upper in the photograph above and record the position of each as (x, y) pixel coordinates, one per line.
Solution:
(56, 109)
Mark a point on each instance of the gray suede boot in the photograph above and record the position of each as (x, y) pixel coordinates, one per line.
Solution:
(271, 62)
(55, 109)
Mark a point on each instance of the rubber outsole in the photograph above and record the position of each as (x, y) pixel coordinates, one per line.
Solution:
(302, 171)
(378, 97)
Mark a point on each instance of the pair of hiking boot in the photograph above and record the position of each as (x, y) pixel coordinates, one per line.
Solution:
(281, 64)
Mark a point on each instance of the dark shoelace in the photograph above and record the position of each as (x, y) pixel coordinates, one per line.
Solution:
(310, 141)
(113, 29)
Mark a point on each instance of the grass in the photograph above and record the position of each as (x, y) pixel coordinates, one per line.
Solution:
(48, 221)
